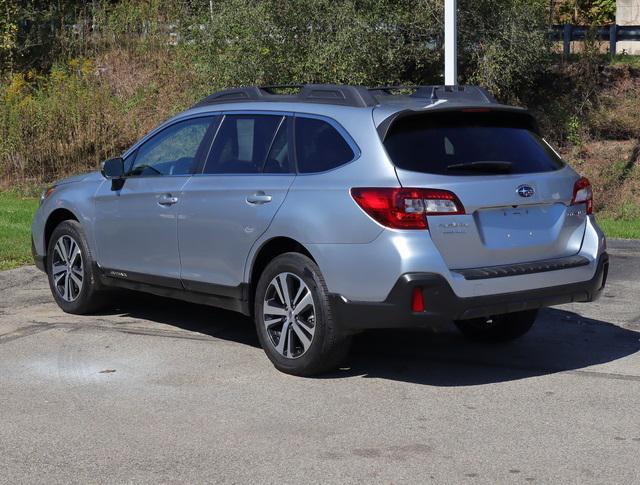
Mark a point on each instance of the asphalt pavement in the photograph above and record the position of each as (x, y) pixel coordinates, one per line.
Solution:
(160, 391)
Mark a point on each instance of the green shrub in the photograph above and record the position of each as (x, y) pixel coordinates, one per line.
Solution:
(586, 12)
(344, 41)
(54, 125)
(504, 45)
(140, 62)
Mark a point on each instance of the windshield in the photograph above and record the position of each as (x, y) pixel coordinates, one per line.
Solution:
(460, 143)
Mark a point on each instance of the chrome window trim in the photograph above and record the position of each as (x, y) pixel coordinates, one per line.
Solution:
(357, 153)
(223, 115)
(256, 112)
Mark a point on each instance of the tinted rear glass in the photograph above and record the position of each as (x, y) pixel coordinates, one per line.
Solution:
(441, 143)
(319, 146)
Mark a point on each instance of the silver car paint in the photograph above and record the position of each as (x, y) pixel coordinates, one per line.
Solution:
(74, 194)
(359, 259)
(367, 272)
(501, 227)
(133, 231)
(217, 225)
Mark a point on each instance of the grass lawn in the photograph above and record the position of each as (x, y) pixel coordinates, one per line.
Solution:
(626, 229)
(626, 60)
(618, 60)
(15, 230)
(16, 213)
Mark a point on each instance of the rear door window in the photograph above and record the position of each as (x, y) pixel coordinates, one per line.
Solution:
(319, 146)
(456, 143)
(243, 144)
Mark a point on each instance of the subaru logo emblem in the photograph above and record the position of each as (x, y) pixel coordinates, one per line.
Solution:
(525, 190)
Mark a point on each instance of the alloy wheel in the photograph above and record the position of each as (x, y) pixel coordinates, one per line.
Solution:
(289, 315)
(67, 268)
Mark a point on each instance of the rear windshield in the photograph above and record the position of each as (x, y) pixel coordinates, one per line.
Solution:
(465, 143)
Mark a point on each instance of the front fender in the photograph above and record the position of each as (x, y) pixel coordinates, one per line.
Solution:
(76, 198)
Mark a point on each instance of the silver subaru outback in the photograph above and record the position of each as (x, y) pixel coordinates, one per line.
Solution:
(330, 210)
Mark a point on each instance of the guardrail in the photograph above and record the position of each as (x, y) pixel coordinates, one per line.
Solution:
(613, 33)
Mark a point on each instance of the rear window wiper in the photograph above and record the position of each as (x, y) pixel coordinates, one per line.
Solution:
(482, 166)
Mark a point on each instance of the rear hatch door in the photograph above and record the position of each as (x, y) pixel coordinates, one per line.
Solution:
(515, 189)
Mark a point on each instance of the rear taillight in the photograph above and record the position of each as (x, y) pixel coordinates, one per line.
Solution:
(582, 194)
(406, 208)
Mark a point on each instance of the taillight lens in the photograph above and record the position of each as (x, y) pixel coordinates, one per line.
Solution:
(583, 194)
(406, 208)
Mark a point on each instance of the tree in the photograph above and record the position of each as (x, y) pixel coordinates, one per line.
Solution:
(8, 34)
(586, 12)
(504, 45)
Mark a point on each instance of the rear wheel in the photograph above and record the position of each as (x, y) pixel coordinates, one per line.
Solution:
(499, 328)
(70, 269)
(294, 320)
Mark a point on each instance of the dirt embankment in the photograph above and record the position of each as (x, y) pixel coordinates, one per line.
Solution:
(607, 146)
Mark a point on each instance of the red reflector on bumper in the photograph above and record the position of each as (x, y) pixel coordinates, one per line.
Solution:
(417, 300)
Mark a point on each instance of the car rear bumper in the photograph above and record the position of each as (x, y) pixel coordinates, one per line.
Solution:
(443, 305)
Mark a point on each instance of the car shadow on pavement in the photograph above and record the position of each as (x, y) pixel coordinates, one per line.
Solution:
(559, 341)
(206, 320)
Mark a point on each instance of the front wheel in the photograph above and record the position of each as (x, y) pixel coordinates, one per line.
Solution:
(499, 328)
(74, 284)
(293, 318)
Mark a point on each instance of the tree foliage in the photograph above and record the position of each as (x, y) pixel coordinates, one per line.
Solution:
(586, 12)
(347, 41)
(502, 43)
(8, 34)
(88, 78)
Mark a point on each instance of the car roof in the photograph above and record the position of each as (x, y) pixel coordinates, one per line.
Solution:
(387, 103)
(383, 105)
(347, 95)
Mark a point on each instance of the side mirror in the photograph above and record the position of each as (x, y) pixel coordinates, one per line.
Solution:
(113, 168)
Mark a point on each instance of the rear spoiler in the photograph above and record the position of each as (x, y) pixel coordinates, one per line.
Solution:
(522, 114)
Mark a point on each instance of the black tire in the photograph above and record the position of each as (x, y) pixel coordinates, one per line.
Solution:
(90, 297)
(328, 346)
(500, 328)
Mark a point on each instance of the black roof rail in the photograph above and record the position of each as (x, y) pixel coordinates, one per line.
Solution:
(461, 93)
(337, 94)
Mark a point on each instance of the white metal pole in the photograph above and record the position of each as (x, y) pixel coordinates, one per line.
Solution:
(450, 42)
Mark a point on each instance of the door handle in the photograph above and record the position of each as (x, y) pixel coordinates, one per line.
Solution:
(258, 198)
(167, 199)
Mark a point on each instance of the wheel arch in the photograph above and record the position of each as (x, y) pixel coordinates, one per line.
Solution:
(55, 218)
(269, 250)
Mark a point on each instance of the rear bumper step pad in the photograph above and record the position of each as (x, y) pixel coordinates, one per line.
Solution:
(522, 268)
